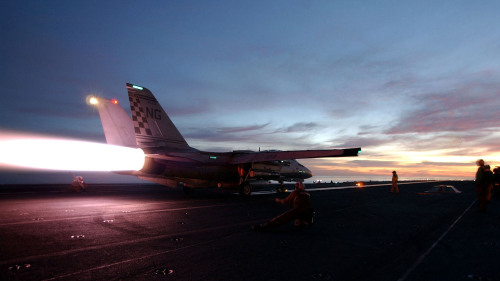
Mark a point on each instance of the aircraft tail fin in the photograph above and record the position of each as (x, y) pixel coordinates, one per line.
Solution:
(152, 126)
(116, 123)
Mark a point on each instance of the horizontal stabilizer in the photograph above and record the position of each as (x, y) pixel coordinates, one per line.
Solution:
(116, 123)
(241, 158)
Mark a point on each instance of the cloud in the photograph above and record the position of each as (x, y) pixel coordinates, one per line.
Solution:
(227, 134)
(468, 108)
(363, 141)
(242, 129)
(302, 127)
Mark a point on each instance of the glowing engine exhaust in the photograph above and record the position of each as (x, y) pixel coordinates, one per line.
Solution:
(67, 155)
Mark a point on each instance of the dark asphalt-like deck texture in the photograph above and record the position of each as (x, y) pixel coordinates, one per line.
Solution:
(150, 232)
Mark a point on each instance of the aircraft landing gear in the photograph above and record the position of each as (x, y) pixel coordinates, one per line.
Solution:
(187, 190)
(245, 189)
(280, 188)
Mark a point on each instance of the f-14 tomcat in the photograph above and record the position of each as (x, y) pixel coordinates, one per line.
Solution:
(170, 161)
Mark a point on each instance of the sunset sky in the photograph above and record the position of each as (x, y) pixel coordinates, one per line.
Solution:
(416, 84)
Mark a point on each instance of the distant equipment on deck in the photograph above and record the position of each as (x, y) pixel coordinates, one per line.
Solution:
(78, 185)
(441, 189)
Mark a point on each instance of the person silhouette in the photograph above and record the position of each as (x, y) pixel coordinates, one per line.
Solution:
(394, 187)
(301, 211)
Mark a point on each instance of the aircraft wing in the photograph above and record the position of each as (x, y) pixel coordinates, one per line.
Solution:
(249, 157)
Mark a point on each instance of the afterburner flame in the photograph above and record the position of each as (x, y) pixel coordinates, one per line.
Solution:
(67, 155)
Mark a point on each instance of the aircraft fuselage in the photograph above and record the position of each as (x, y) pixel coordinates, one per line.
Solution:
(203, 169)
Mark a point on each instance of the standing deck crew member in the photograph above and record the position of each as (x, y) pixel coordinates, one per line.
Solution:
(394, 187)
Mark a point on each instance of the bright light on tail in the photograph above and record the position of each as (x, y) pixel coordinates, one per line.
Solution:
(68, 155)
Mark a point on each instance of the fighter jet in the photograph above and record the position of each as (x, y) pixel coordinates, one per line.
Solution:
(170, 161)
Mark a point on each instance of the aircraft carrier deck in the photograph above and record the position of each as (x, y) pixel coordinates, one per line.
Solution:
(150, 232)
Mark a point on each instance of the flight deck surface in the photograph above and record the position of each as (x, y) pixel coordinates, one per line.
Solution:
(150, 232)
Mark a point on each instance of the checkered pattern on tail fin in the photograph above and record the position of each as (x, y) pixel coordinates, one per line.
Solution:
(141, 126)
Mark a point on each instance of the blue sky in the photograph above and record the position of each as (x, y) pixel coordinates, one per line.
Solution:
(416, 84)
